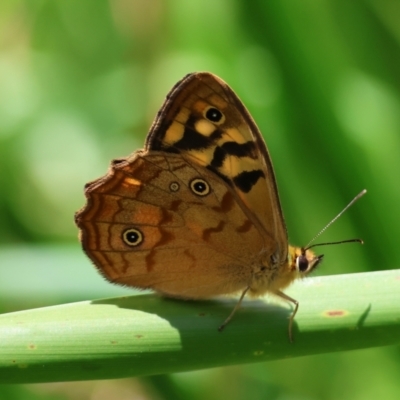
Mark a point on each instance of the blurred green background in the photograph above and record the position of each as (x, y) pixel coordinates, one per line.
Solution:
(81, 81)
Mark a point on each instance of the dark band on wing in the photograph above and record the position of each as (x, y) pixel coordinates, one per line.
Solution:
(193, 140)
(247, 149)
(247, 179)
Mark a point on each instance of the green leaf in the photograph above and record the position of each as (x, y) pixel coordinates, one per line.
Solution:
(147, 334)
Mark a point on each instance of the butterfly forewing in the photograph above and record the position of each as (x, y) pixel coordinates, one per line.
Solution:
(231, 147)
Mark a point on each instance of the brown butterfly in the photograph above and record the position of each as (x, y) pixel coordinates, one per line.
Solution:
(196, 213)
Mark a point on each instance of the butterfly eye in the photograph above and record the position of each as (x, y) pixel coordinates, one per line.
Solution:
(199, 187)
(301, 263)
(174, 186)
(214, 115)
(132, 237)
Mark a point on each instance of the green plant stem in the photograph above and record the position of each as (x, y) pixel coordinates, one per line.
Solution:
(147, 334)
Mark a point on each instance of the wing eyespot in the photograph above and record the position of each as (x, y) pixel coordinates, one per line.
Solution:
(132, 237)
(214, 115)
(174, 186)
(199, 187)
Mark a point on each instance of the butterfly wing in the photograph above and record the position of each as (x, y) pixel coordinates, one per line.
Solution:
(205, 121)
(156, 221)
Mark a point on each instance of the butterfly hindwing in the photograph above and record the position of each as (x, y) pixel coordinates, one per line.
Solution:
(193, 243)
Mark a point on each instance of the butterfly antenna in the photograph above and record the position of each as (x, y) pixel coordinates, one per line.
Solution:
(331, 222)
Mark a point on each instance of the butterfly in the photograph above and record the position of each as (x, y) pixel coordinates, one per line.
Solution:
(196, 213)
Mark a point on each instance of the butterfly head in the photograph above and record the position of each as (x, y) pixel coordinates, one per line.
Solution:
(303, 261)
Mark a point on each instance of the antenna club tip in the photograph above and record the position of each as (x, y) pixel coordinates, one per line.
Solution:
(361, 194)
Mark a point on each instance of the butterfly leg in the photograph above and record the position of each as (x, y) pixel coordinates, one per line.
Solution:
(234, 310)
(296, 307)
